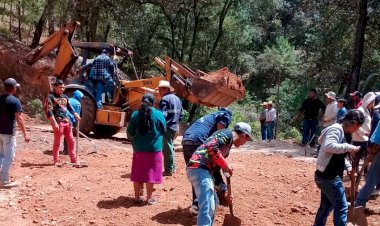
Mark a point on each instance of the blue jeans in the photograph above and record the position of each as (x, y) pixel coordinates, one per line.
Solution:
(309, 128)
(202, 182)
(7, 155)
(263, 131)
(99, 88)
(270, 130)
(332, 198)
(373, 177)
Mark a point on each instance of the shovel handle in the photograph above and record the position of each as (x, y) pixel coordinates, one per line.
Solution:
(230, 192)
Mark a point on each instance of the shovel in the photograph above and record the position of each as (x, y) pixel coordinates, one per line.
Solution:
(78, 164)
(230, 219)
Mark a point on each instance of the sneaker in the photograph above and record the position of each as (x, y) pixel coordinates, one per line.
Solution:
(7, 184)
(194, 209)
(58, 164)
(151, 201)
(139, 200)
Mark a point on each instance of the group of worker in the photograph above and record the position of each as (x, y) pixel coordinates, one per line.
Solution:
(207, 143)
(268, 118)
(346, 135)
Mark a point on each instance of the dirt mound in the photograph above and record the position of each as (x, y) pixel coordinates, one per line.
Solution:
(223, 77)
(33, 79)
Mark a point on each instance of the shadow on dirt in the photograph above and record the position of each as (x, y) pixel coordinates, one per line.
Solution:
(176, 216)
(126, 176)
(122, 201)
(36, 165)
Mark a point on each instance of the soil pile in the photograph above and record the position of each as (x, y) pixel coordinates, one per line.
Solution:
(223, 77)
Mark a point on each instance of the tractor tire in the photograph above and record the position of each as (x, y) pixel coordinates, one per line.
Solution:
(88, 112)
(104, 131)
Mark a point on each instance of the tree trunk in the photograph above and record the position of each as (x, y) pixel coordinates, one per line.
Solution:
(357, 55)
(41, 23)
(19, 15)
(106, 32)
(51, 18)
(10, 16)
(222, 16)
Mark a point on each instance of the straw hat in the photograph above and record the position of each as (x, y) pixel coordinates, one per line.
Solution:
(331, 95)
(264, 104)
(165, 84)
(270, 103)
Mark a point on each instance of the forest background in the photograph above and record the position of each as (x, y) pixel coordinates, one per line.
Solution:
(280, 48)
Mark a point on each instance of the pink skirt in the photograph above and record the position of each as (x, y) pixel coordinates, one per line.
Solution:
(147, 167)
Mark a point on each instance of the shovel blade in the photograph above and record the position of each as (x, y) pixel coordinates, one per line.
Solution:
(230, 220)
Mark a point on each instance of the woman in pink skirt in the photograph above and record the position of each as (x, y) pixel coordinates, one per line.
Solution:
(145, 129)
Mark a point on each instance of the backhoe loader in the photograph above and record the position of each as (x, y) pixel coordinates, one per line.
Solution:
(220, 88)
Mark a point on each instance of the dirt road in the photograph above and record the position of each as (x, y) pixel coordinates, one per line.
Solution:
(273, 185)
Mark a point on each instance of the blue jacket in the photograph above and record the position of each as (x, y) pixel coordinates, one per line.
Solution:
(204, 127)
(171, 107)
(75, 104)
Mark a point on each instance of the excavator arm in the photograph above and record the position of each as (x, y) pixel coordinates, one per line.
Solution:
(66, 56)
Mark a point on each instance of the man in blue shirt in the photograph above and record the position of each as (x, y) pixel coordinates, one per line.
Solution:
(197, 135)
(10, 112)
(75, 104)
(171, 107)
(342, 109)
(102, 72)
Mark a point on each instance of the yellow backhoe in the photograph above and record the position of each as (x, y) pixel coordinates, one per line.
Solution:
(220, 88)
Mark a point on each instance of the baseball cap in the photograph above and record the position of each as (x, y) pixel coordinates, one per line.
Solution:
(342, 100)
(356, 93)
(11, 82)
(58, 82)
(245, 128)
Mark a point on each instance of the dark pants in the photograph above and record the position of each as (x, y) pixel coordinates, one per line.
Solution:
(188, 151)
(263, 131)
(309, 129)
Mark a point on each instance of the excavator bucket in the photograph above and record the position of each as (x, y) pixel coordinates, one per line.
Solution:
(215, 89)
(219, 88)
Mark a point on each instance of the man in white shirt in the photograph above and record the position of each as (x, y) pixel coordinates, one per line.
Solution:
(331, 111)
(270, 120)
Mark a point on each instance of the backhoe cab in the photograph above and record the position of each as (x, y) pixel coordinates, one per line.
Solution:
(220, 88)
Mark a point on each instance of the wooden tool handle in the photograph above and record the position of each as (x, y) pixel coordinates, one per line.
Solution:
(230, 192)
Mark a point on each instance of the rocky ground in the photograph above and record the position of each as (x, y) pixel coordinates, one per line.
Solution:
(273, 185)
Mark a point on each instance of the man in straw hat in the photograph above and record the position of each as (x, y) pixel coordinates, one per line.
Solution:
(171, 107)
(270, 120)
(262, 118)
(331, 111)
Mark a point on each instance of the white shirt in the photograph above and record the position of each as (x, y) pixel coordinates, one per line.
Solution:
(270, 115)
(331, 114)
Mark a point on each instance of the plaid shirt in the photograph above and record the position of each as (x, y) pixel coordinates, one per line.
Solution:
(213, 152)
(103, 67)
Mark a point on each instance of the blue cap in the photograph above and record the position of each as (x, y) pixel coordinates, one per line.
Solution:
(11, 82)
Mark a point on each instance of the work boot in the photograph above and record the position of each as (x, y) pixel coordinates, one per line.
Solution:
(359, 216)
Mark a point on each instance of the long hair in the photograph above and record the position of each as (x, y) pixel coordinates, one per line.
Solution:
(145, 123)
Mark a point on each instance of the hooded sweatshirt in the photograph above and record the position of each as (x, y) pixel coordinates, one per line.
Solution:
(359, 135)
(75, 104)
(332, 142)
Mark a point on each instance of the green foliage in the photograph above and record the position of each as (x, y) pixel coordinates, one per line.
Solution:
(290, 133)
(36, 108)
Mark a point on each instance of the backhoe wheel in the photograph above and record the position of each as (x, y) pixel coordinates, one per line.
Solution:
(104, 131)
(88, 112)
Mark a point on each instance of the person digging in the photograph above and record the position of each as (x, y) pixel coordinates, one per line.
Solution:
(207, 156)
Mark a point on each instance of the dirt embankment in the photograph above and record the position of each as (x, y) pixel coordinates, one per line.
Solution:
(33, 79)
